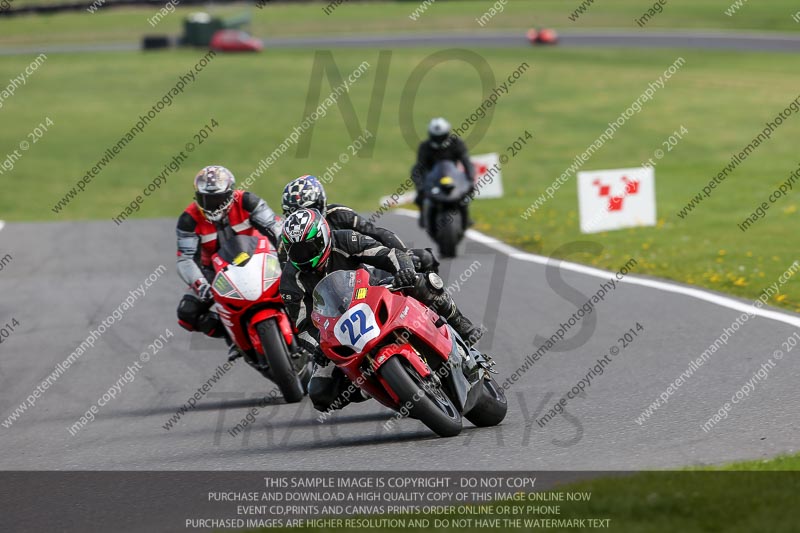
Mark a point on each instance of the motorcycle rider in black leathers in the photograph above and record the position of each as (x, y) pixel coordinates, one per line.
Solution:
(441, 145)
(307, 192)
(315, 251)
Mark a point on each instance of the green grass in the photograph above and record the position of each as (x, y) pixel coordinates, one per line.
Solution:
(129, 24)
(566, 99)
(737, 498)
(781, 463)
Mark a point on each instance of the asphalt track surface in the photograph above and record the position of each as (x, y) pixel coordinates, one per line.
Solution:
(618, 38)
(65, 278)
(703, 39)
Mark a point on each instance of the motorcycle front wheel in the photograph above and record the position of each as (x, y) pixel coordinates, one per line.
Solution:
(280, 361)
(428, 404)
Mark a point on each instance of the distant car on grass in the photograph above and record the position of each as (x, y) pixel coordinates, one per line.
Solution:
(542, 36)
(235, 41)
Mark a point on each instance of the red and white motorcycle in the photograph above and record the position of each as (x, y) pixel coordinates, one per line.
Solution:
(247, 298)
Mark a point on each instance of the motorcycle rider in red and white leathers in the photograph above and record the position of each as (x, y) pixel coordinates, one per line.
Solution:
(217, 204)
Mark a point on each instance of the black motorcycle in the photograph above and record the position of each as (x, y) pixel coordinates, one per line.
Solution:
(444, 210)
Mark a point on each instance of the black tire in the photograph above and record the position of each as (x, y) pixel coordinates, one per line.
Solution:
(448, 226)
(436, 411)
(279, 361)
(491, 407)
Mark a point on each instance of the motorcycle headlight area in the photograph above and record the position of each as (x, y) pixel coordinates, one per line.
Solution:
(272, 270)
(225, 289)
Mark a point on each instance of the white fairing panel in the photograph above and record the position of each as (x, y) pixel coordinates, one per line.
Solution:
(249, 279)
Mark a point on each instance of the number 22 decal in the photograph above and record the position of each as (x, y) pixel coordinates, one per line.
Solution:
(357, 327)
(348, 326)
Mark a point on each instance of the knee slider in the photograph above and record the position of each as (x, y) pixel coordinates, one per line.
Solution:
(189, 309)
(210, 324)
(325, 391)
(322, 392)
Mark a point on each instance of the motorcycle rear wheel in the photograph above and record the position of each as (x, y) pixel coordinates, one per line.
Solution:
(279, 361)
(448, 226)
(432, 408)
(491, 407)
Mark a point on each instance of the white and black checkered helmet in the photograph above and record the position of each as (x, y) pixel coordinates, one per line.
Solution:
(305, 192)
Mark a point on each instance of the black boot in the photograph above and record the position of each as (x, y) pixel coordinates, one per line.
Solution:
(447, 308)
(329, 389)
(464, 327)
(468, 222)
(429, 290)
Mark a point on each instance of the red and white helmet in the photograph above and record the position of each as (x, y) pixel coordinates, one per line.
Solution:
(213, 194)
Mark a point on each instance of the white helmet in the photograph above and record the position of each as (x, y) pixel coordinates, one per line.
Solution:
(438, 131)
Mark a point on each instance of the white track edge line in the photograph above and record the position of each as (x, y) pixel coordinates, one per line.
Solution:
(665, 286)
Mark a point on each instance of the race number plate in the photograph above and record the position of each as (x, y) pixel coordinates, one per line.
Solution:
(356, 327)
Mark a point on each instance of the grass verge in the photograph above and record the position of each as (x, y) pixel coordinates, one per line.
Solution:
(565, 98)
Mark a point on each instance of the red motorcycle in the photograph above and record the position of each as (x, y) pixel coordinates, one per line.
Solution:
(247, 298)
(404, 355)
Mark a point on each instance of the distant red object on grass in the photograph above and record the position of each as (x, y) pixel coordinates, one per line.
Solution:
(542, 36)
(235, 41)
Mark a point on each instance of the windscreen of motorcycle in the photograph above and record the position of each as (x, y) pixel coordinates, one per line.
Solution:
(249, 280)
(446, 182)
(272, 269)
(333, 295)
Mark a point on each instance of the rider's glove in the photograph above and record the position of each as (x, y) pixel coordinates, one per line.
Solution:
(405, 277)
(203, 291)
